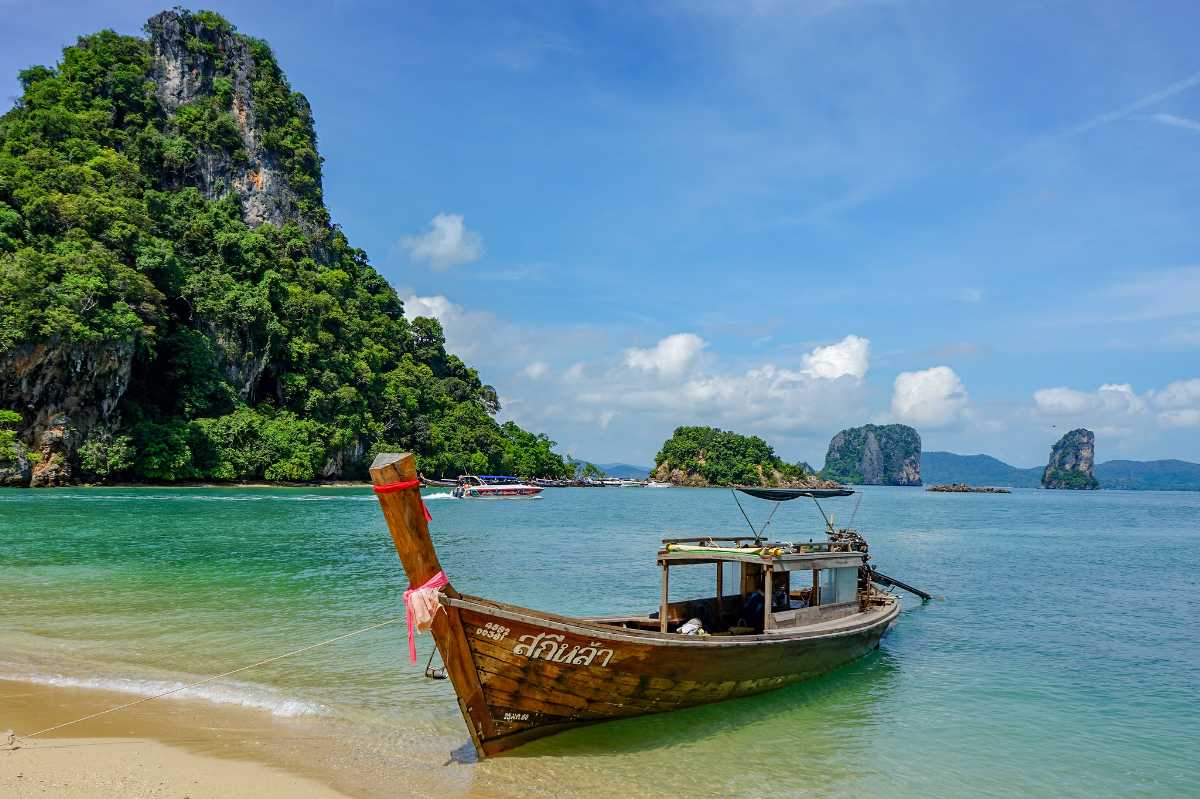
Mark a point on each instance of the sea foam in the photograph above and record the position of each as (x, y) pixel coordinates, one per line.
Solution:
(230, 693)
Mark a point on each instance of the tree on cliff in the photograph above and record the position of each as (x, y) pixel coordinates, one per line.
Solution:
(176, 303)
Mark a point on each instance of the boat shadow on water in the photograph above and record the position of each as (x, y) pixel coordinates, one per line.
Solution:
(852, 699)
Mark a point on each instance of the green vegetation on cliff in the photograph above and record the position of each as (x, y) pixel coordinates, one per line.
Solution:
(875, 455)
(709, 456)
(170, 231)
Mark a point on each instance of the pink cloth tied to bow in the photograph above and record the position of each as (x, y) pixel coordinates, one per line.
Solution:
(420, 605)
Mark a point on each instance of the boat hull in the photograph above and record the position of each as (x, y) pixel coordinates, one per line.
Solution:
(540, 674)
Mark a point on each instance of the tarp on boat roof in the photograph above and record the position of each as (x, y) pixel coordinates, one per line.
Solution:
(784, 494)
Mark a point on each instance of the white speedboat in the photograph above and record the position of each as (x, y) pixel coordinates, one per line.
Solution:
(491, 486)
(657, 484)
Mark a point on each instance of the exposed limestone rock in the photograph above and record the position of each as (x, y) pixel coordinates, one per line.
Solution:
(183, 74)
(1072, 461)
(16, 471)
(875, 455)
(64, 391)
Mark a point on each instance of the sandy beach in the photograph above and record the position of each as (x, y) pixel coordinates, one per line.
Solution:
(157, 749)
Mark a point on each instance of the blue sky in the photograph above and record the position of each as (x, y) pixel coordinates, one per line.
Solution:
(779, 218)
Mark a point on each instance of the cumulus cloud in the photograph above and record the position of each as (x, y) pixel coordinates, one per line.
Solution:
(929, 398)
(536, 370)
(1109, 398)
(433, 307)
(468, 333)
(670, 357)
(672, 381)
(850, 356)
(1119, 407)
(448, 242)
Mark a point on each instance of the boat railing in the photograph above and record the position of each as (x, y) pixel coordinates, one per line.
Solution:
(798, 546)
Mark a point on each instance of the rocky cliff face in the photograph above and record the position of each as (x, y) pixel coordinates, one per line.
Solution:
(189, 57)
(1072, 461)
(66, 391)
(875, 455)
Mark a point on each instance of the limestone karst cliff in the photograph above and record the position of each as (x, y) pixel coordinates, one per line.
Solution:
(875, 455)
(1072, 461)
(176, 303)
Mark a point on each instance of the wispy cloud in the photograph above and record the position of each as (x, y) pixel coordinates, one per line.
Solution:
(1132, 108)
(1108, 117)
(1177, 122)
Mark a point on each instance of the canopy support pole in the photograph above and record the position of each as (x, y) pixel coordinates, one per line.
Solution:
(664, 605)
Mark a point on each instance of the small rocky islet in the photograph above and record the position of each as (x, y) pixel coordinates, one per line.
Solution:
(963, 488)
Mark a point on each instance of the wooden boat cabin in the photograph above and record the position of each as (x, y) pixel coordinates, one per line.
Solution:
(778, 613)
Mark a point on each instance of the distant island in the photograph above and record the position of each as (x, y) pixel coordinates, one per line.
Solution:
(1159, 475)
(875, 455)
(708, 456)
(963, 488)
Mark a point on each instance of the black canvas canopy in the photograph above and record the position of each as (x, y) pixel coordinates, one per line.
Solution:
(783, 494)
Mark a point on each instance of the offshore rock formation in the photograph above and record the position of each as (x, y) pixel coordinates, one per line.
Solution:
(875, 455)
(175, 302)
(963, 488)
(1072, 461)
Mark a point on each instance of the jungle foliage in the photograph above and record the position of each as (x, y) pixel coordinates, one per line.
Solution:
(722, 457)
(272, 352)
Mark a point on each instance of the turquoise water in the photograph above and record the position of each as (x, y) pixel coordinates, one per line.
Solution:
(1063, 660)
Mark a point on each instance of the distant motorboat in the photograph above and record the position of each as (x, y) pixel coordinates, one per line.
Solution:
(492, 486)
(434, 483)
(657, 484)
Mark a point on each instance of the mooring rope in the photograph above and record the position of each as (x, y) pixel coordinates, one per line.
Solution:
(15, 738)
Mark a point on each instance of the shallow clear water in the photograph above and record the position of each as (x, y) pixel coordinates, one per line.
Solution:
(1064, 659)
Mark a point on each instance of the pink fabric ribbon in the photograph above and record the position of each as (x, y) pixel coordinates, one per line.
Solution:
(420, 605)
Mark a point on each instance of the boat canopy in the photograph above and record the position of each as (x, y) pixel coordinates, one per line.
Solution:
(784, 494)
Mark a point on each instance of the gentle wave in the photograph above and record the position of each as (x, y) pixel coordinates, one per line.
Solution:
(441, 495)
(241, 694)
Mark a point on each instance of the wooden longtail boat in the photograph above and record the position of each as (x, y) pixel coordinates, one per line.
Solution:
(522, 674)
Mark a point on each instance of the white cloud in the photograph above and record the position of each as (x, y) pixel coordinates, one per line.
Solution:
(970, 295)
(433, 307)
(672, 384)
(448, 242)
(1161, 294)
(930, 398)
(1116, 406)
(536, 370)
(1180, 394)
(1061, 400)
(575, 371)
(1117, 398)
(468, 333)
(1187, 417)
(669, 358)
(850, 356)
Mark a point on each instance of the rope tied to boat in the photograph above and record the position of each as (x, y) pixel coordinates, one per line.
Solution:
(420, 605)
(391, 488)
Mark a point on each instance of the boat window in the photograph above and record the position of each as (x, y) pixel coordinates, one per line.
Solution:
(845, 585)
(828, 591)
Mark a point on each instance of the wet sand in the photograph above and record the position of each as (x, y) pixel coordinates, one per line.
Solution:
(157, 749)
